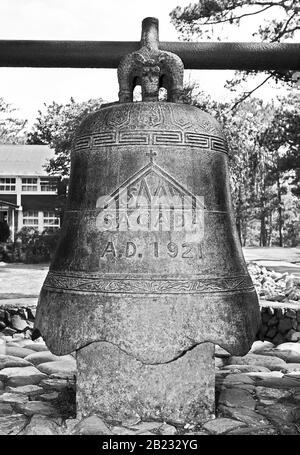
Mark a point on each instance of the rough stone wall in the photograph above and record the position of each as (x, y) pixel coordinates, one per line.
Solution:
(17, 319)
(279, 323)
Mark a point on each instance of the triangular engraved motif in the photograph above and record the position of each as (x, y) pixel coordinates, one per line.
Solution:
(152, 199)
(153, 168)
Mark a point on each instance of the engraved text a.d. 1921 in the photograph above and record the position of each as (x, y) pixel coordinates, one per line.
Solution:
(134, 250)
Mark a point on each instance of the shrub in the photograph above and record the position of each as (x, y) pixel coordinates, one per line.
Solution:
(35, 247)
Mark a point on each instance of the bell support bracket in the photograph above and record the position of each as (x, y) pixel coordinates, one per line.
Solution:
(151, 68)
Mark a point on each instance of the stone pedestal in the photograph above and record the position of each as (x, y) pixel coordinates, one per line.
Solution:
(116, 386)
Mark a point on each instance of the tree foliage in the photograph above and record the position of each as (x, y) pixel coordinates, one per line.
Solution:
(283, 136)
(57, 126)
(262, 140)
(11, 127)
(196, 20)
(207, 19)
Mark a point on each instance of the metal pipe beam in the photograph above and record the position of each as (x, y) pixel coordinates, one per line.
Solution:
(107, 54)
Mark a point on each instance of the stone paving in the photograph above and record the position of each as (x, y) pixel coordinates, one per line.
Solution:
(258, 394)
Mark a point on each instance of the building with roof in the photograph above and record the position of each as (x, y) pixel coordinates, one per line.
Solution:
(28, 195)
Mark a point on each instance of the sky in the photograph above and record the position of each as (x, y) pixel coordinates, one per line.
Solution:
(104, 20)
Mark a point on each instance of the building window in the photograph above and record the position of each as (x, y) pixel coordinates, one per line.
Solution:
(29, 184)
(7, 184)
(48, 184)
(50, 220)
(30, 218)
